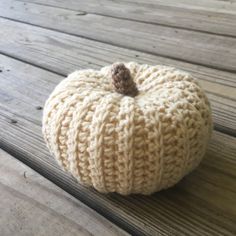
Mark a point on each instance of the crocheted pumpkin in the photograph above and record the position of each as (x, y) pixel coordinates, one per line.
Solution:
(128, 128)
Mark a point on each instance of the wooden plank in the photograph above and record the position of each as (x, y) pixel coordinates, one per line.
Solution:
(214, 16)
(63, 53)
(202, 204)
(32, 205)
(227, 6)
(200, 48)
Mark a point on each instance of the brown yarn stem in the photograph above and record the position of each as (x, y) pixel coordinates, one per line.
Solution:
(122, 81)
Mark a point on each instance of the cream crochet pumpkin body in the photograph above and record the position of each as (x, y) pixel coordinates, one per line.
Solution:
(128, 144)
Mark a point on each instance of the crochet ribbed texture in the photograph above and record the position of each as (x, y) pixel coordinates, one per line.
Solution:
(128, 144)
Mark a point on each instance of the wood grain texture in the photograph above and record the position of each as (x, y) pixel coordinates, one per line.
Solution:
(204, 49)
(203, 203)
(32, 205)
(227, 6)
(63, 53)
(217, 17)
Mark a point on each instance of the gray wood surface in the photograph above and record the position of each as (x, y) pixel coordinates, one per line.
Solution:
(62, 53)
(209, 16)
(226, 6)
(41, 42)
(203, 203)
(195, 47)
(32, 205)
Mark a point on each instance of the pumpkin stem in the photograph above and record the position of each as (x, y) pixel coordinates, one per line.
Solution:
(122, 80)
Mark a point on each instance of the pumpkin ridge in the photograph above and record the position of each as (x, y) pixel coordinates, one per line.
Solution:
(154, 155)
(51, 107)
(125, 144)
(96, 149)
(56, 140)
(77, 151)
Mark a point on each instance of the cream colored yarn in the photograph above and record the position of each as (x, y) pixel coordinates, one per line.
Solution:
(124, 144)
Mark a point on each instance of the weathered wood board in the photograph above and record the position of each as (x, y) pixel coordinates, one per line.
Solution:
(63, 53)
(213, 16)
(200, 48)
(32, 205)
(207, 193)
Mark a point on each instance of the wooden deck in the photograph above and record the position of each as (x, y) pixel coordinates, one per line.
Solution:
(41, 41)
(32, 205)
